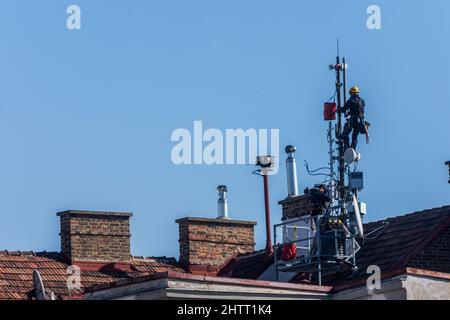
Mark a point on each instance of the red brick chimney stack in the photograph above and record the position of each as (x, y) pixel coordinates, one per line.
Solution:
(95, 237)
(206, 244)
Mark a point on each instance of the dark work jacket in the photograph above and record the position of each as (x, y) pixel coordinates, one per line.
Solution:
(356, 106)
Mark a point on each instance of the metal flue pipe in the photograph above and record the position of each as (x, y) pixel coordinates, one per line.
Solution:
(291, 172)
(222, 202)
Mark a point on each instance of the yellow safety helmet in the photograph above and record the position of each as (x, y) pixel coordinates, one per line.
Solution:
(354, 90)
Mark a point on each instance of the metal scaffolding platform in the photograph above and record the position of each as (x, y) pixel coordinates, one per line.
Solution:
(323, 245)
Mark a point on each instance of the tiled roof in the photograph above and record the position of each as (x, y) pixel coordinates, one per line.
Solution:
(396, 241)
(247, 265)
(16, 273)
(390, 243)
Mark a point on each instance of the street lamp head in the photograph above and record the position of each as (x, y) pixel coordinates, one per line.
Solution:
(266, 161)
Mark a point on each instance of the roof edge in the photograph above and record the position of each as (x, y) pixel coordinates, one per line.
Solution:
(428, 273)
(409, 213)
(173, 275)
(398, 272)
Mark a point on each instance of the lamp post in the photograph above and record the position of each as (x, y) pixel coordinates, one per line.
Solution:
(266, 164)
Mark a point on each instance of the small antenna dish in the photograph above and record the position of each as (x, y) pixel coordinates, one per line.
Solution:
(38, 286)
(350, 156)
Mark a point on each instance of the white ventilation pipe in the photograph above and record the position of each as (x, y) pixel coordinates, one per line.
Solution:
(222, 202)
(357, 215)
(291, 172)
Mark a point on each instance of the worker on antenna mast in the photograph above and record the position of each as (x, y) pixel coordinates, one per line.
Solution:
(356, 124)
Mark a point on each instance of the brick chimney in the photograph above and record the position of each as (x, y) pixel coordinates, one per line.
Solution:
(95, 237)
(206, 244)
(296, 207)
(312, 202)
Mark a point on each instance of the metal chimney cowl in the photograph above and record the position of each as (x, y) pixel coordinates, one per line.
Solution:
(222, 202)
(291, 171)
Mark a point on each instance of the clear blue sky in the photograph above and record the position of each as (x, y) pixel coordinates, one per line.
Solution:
(86, 116)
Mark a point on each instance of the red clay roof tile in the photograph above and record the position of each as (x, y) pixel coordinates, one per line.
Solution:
(16, 273)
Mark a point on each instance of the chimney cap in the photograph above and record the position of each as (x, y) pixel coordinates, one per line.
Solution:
(214, 220)
(290, 149)
(222, 188)
(94, 213)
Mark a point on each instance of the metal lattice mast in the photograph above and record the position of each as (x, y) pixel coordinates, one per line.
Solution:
(341, 165)
(331, 163)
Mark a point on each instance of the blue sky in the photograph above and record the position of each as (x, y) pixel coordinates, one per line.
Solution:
(86, 115)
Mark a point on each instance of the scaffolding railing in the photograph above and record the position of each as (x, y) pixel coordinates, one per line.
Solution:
(321, 245)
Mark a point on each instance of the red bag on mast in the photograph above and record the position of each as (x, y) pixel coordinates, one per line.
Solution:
(329, 111)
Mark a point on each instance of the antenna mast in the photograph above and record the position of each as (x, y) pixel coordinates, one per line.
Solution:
(325, 236)
(341, 167)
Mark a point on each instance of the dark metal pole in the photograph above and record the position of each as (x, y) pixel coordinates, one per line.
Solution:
(447, 163)
(344, 79)
(275, 252)
(319, 252)
(269, 247)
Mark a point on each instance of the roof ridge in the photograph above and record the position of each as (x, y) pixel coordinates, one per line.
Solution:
(17, 253)
(250, 254)
(27, 253)
(412, 213)
(150, 258)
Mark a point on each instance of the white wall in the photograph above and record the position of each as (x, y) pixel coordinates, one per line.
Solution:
(425, 288)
